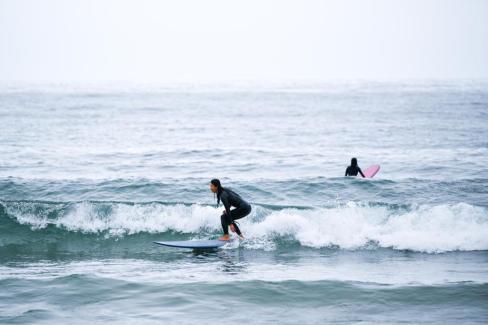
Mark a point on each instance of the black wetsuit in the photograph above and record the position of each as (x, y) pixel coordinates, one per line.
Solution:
(242, 208)
(353, 171)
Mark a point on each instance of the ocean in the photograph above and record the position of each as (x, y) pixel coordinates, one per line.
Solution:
(91, 175)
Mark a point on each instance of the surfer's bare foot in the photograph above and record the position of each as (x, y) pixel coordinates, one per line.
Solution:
(241, 237)
(224, 237)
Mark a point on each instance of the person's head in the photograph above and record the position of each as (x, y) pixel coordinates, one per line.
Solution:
(215, 185)
(354, 162)
(216, 188)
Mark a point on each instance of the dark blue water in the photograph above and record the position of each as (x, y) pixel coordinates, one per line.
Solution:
(89, 177)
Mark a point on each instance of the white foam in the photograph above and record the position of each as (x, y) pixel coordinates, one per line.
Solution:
(425, 228)
(120, 219)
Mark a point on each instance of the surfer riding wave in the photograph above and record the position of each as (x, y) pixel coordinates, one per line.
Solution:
(230, 199)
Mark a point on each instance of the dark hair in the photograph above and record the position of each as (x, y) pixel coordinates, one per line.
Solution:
(216, 182)
(354, 162)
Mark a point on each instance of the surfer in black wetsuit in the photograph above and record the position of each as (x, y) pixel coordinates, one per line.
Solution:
(354, 169)
(230, 199)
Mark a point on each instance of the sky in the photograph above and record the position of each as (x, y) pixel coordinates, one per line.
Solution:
(251, 40)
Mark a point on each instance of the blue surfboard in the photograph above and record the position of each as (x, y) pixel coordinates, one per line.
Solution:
(195, 244)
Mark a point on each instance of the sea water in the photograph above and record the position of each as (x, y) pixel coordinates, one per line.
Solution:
(90, 176)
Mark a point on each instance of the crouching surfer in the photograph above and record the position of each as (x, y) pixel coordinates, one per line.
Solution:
(230, 199)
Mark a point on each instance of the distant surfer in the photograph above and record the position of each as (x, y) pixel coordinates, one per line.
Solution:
(230, 199)
(354, 169)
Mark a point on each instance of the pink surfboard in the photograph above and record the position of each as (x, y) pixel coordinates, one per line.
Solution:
(371, 171)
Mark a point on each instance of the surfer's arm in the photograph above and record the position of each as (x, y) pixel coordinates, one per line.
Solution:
(361, 172)
(347, 170)
(225, 201)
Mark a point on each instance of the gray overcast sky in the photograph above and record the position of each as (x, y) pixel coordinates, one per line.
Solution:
(213, 40)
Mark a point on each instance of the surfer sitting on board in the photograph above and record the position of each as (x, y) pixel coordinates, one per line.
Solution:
(354, 169)
(229, 199)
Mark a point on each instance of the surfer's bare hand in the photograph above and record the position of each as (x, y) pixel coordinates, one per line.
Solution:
(232, 228)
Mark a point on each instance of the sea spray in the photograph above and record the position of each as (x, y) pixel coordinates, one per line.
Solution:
(432, 229)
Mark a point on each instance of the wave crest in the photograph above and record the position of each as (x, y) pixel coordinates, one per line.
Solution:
(439, 228)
